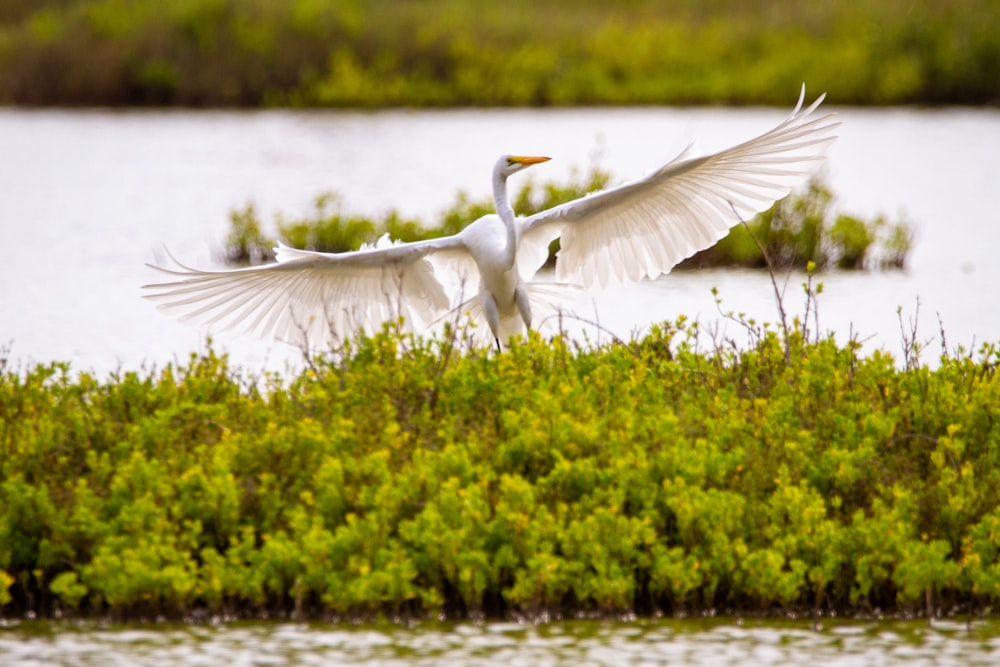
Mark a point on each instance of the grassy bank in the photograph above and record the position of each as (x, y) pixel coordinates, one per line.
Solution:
(800, 229)
(674, 473)
(520, 52)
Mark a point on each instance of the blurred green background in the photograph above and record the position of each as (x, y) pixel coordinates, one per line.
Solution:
(374, 53)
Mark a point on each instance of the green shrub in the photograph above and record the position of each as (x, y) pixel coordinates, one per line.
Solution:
(797, 230)
(802, 229)
(403, 477)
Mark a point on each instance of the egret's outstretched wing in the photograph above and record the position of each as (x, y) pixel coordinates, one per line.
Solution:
(644, 228)
(312, 298)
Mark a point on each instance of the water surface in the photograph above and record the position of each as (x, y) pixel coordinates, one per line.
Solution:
(87, 197)
(578, 643)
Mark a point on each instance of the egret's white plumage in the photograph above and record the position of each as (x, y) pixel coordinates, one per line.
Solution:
(637, 230)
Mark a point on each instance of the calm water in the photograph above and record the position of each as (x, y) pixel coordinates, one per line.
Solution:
(717, 642)
(86, 198)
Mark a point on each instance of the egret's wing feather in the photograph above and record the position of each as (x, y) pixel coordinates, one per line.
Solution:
(644, 228)
(533, 250)
(311, 298)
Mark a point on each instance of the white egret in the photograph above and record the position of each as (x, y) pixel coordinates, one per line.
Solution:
(637, 230)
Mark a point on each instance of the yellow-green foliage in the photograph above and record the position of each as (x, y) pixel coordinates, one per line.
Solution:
(518, 52)
(797, 230)
(410, 476)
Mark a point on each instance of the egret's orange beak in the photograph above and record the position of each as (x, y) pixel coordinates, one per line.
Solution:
(529, 159)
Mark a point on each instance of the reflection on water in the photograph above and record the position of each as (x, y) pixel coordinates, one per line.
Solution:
(578, 643)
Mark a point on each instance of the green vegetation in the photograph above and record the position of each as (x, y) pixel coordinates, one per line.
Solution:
(519, 52)
(796, 231)
(329, 229)
(803, 229)
(678, 472)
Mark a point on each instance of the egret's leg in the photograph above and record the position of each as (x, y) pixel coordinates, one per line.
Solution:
(492, 312)
(523, 305)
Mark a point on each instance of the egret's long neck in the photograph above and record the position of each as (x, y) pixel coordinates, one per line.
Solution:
(506, 214)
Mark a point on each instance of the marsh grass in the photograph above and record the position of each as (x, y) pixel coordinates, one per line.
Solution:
(376, 53)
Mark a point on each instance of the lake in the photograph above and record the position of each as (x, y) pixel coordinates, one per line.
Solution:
(87, 197)
(580, 643)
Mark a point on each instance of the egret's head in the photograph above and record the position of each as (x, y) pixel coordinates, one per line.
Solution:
(511, 164)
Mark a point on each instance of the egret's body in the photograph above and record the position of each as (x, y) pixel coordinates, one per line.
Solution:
(637, 230)
(493, 241)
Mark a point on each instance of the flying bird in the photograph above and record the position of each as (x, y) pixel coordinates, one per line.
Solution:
(637, 230)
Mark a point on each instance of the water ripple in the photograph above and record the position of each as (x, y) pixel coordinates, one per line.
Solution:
(578, 643)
